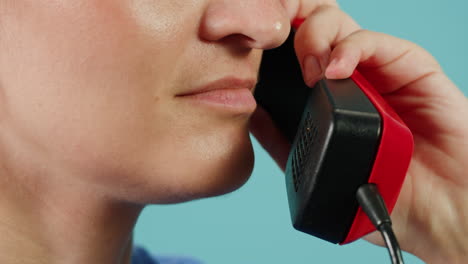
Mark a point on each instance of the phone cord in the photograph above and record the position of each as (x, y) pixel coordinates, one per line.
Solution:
(373, 205)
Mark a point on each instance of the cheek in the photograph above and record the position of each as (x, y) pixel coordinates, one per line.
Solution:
(78, 79)
(91, 87)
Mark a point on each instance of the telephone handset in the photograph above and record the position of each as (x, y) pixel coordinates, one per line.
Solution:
(343, 136)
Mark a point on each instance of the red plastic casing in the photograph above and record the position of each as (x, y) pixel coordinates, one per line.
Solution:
(391, 162)
(392, 159)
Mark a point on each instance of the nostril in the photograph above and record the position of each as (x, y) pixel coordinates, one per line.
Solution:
(253, 24)
(239, 38)
(238, 44)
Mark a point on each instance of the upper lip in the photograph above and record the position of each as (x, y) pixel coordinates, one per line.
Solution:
(223, 83)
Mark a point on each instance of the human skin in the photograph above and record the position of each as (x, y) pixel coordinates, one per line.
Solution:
(430, 217)
(92, 129)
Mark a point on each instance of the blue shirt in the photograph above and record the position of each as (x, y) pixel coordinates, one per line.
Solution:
(142, 256)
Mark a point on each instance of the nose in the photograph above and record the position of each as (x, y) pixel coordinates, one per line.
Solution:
(257, 24)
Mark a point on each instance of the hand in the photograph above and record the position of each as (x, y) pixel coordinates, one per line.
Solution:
(261, 125)
(431, 215)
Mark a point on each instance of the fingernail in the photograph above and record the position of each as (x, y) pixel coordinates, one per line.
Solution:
(330, 72)
(312, 70)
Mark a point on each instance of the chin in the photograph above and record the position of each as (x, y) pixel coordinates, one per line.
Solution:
(217, 176)
(208, 168)
(228, 177)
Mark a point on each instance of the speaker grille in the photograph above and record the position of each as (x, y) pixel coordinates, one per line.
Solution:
(301, 161)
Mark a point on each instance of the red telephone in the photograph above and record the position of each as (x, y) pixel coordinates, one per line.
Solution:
(343, 135)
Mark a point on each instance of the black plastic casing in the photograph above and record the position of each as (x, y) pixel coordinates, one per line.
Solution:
(335, 132)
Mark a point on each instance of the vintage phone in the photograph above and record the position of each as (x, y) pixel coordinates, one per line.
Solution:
(343, 135)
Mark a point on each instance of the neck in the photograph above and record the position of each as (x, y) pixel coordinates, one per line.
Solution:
(62, 223)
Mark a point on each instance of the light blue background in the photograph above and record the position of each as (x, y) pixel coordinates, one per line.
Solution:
(252, 225)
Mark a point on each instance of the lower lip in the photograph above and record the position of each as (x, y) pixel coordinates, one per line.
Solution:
(236, 100)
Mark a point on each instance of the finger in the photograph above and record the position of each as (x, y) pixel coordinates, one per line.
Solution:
(316, 36)
(306, 7)
(270, 138)
(411, 81)
(303, 8)
(394, 62)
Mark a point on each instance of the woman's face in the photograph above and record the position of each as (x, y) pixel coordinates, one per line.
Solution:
(90, 89)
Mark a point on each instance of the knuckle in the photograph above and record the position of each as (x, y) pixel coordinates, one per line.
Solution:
(310, 6)
(328, 10)
(364, 33)
(360, 35)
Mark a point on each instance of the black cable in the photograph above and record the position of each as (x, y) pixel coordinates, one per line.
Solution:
(373, 205)
(391, 242)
